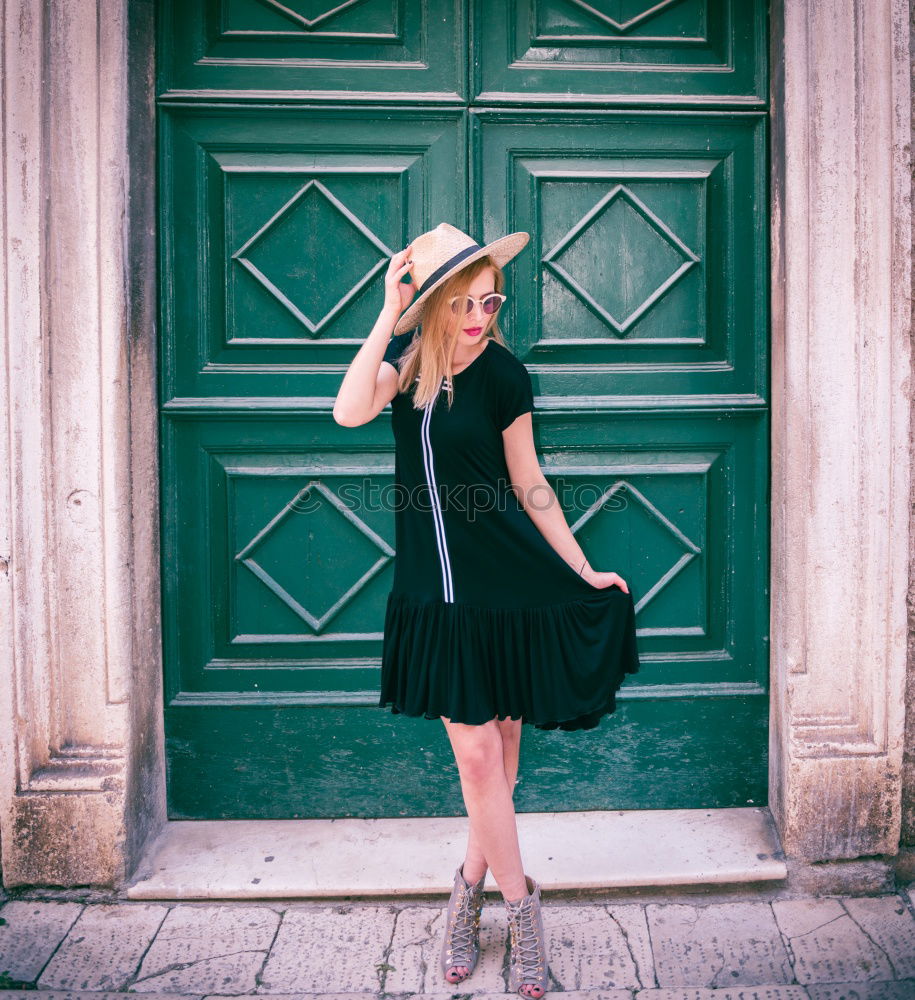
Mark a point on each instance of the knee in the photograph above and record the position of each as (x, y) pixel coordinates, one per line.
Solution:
(481, 758)
(511, 733)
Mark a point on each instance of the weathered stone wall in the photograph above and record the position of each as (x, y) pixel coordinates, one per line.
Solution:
(841, 405)
(908, 770)
(81, 761)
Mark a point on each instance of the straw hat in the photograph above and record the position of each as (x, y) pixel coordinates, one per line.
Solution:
(441, 252)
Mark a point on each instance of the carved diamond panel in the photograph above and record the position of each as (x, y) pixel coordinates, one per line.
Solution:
(624, 15)
(399, 50)
(569, 51)
(298, 554)
(280, 228)
(300, 543)
(624, 258)
(624, 491)
(310, 15)
(648, 237)
(280, 552)
(620, 228)
(663, 501)
(305, 228)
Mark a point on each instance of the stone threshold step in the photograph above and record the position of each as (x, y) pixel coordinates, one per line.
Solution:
(316, 858)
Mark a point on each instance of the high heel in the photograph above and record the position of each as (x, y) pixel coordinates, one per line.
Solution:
(461, 943)
(528, 962)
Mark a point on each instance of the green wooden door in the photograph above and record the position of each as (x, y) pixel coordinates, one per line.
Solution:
(301, 143)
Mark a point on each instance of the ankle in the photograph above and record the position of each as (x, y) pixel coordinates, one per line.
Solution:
(514, 895)
(513, 900)
(472, 875)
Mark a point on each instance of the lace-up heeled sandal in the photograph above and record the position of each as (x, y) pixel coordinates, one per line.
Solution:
(461, 944)
(528, 963)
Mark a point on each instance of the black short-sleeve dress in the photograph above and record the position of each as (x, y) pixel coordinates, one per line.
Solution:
(485, 619)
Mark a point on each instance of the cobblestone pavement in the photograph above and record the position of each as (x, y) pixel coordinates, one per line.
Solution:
(813, 948)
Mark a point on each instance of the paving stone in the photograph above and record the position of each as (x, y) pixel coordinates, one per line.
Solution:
(92, 995)
(827, 946)
(410, 964)
(633, 922)
(588, 947)
(573, 995)
(457, 995)
(303, 996)
(354, 945)
(721, 945)
(862, 991)
(413, 963)
(736, 993)
(888, 922)
(201, 949)
(103, 947)
(29, 935)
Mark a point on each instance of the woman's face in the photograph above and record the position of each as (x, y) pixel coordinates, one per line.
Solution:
(475, 324)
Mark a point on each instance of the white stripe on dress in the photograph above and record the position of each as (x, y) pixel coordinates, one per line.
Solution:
(447, 585)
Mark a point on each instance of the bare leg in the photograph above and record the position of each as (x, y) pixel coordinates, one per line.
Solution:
(487, 759)
(474, 860)
(511, 745)
(479, 752)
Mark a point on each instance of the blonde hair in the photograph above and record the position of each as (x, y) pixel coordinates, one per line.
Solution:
(430, 356)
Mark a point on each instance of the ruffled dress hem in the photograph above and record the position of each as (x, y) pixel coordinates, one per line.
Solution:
(556, 666)
(581, 723)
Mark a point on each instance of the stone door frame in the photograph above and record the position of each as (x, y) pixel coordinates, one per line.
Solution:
(82, 767)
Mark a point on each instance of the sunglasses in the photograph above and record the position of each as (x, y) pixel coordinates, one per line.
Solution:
(461, 305)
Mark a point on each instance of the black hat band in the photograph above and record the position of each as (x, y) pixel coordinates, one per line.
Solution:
(446, 267)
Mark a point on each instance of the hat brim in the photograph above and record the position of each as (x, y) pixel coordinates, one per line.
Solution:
(501, 250)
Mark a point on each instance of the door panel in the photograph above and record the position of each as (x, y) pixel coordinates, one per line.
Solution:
(612, 51)
(264, 760)
(277, 230)
(670, 500)
(286, 556)
(646, 270)
(406, 50)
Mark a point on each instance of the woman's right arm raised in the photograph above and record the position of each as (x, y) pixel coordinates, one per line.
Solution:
(371, 383)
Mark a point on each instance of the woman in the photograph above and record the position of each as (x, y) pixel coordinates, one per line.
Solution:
(495, 617)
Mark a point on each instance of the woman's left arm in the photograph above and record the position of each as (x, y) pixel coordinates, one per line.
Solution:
(541, 503)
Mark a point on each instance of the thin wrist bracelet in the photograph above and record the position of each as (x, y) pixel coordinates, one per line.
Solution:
(582, 567)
